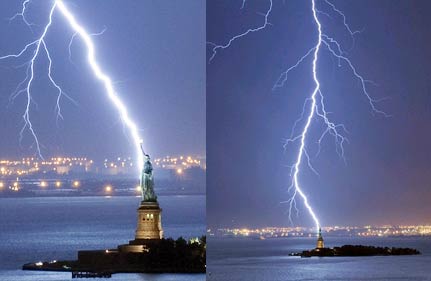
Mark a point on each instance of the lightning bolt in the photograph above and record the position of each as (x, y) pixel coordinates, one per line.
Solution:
(216, 48)
(40, 44)
(314, 105)
(22, 14)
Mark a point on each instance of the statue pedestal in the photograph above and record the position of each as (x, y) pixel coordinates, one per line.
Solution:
(149, 221)
(149, 230)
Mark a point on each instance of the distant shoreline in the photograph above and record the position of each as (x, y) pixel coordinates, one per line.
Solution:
(94, 195)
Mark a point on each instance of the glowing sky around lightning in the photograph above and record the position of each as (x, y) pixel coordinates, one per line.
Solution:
(266, 55)
(315, 100)
(105, 79)
(133, 66)
(39, 43)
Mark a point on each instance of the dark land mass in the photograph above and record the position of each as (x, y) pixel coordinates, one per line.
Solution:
(165, 256)
(357, 250)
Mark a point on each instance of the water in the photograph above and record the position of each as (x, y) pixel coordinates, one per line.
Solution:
(33, 229)
(268, 260)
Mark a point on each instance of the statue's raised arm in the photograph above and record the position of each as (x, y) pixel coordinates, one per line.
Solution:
(142, 148)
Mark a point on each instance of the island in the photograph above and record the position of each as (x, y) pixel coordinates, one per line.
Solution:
(352, 250)
(356, 250)
(161, 256)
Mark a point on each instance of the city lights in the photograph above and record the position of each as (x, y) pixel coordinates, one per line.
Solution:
(361, 231)
(76, 184)
(180, 162)
(15, 186)
(66, 165)
(59, 165)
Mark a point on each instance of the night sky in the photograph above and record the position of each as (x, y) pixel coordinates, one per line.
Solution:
(154, 51)
(387, 176)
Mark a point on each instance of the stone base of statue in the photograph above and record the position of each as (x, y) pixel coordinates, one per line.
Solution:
(149, 229)
(149, 221)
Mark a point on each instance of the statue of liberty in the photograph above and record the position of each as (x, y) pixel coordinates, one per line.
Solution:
(147, 181)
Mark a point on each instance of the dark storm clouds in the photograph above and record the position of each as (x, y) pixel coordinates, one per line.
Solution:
(387, 176)
(153, 50)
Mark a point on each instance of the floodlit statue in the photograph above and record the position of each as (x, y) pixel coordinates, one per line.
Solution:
(147, 181)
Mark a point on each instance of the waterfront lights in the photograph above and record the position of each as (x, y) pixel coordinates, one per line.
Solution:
(179, 171)
(57, 184)
(195, 240)
(76, 184)
(1, 185)
(43, 184)
(108, 188)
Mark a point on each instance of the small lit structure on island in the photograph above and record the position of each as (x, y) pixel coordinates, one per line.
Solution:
(320, 244)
